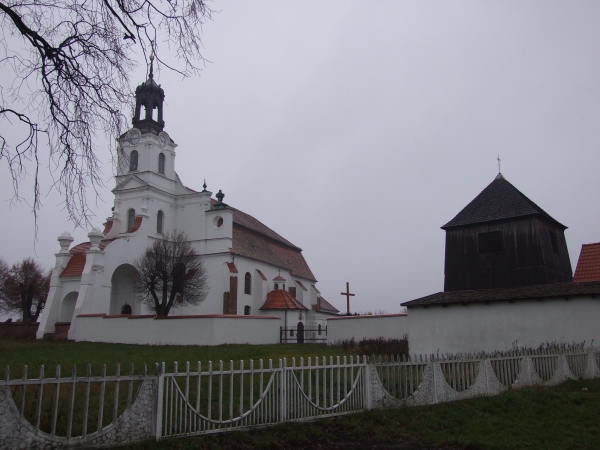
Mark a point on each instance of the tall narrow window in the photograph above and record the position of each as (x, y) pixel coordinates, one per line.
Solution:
(276, 286)
(247, 310)
(319, 329)
(133, 161)
(554, 241)
(130, 219)
(159, 222)
(161, 163)
(248, 283)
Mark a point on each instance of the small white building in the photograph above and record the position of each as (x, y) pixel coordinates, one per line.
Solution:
(245, 260)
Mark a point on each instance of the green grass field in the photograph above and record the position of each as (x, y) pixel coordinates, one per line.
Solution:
(16, 354)
(563, 417)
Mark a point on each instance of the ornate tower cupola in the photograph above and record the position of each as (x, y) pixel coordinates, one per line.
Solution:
(151, 96)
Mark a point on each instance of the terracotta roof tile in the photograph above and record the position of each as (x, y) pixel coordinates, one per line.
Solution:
(278, 278)
(107, 227)
(76, 264)
(588, 266)
(136, 224)
(324, 305)
(256, 246)
(262, 275)
(315, 288)
(232, 267)
(247, 221)
(281, 299)
(541, 291)
(299, 283)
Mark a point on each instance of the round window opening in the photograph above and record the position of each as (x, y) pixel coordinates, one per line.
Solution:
(218, 222)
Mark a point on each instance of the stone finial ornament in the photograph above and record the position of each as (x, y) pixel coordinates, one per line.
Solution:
(95, 237)
(65, 240)
(220, 205)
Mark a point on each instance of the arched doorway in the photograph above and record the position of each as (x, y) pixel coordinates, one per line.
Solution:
(122, 290)
(300, 336)
(67, 307)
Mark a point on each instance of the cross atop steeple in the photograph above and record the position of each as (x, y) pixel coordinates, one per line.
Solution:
(498, 159)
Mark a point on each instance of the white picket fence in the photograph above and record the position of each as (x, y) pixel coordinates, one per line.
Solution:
(108, 410)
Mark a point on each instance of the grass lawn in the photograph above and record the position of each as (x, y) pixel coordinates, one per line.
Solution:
(563, 417)
(17, 353)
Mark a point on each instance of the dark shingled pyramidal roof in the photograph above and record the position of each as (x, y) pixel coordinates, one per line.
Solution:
(500, 200)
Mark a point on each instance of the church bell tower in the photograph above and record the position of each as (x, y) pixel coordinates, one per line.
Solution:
(151, 96)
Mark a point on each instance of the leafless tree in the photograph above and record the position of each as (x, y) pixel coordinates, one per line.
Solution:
(24, 289)
(170, 273)
(70, 62)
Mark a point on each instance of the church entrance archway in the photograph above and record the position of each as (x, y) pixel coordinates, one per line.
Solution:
(67, 307)
(122, 290)
(300, 333)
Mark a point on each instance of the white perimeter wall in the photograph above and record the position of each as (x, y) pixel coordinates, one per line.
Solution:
(177, 330)
(498, 325)
(389, 326)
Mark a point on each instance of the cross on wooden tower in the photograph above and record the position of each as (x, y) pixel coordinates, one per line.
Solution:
(348, 295)
(498, 159)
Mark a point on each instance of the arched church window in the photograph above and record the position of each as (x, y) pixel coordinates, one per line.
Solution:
(130, 219)
(248, 283)
(159, 222)
(126, 309)
(133, 161)
(247, 310)
(161, 163)
(276, 286)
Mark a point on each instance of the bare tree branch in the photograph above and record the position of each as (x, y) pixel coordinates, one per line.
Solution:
(70, 62)
(170, 273)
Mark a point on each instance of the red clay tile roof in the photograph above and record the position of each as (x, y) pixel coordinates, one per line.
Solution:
(278, 278)
(324, 305)
(262, 275)
(136, 224)
(232, 267)
(588, 266)
(281, 299)
(315, 288)
(256, 246)
(247, 221)
(107, 227)
(76, 264)
(538, 292)
(299, 283)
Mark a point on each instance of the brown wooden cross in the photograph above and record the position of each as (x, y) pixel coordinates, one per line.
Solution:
(348, 295)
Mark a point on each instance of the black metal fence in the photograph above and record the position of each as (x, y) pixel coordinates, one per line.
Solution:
(300, 335)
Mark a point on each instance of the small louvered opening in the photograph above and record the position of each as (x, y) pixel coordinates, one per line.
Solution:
(490, 242)
(554, 241)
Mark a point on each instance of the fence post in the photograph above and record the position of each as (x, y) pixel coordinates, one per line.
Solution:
(159, 400)
(283, 393)
(367, 383)
(434, 390)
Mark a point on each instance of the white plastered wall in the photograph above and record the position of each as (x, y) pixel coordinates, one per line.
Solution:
(180, 331)
(501, 325)
(389, 326)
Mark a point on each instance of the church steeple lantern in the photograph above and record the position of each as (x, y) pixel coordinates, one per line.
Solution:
(151, 96)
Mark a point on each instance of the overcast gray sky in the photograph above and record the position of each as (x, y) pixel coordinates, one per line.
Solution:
(356, 129)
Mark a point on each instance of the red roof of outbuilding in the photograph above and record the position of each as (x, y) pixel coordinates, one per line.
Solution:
(281, 299)
(588, 266)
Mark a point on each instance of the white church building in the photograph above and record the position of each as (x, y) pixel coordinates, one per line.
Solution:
(261, 288)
